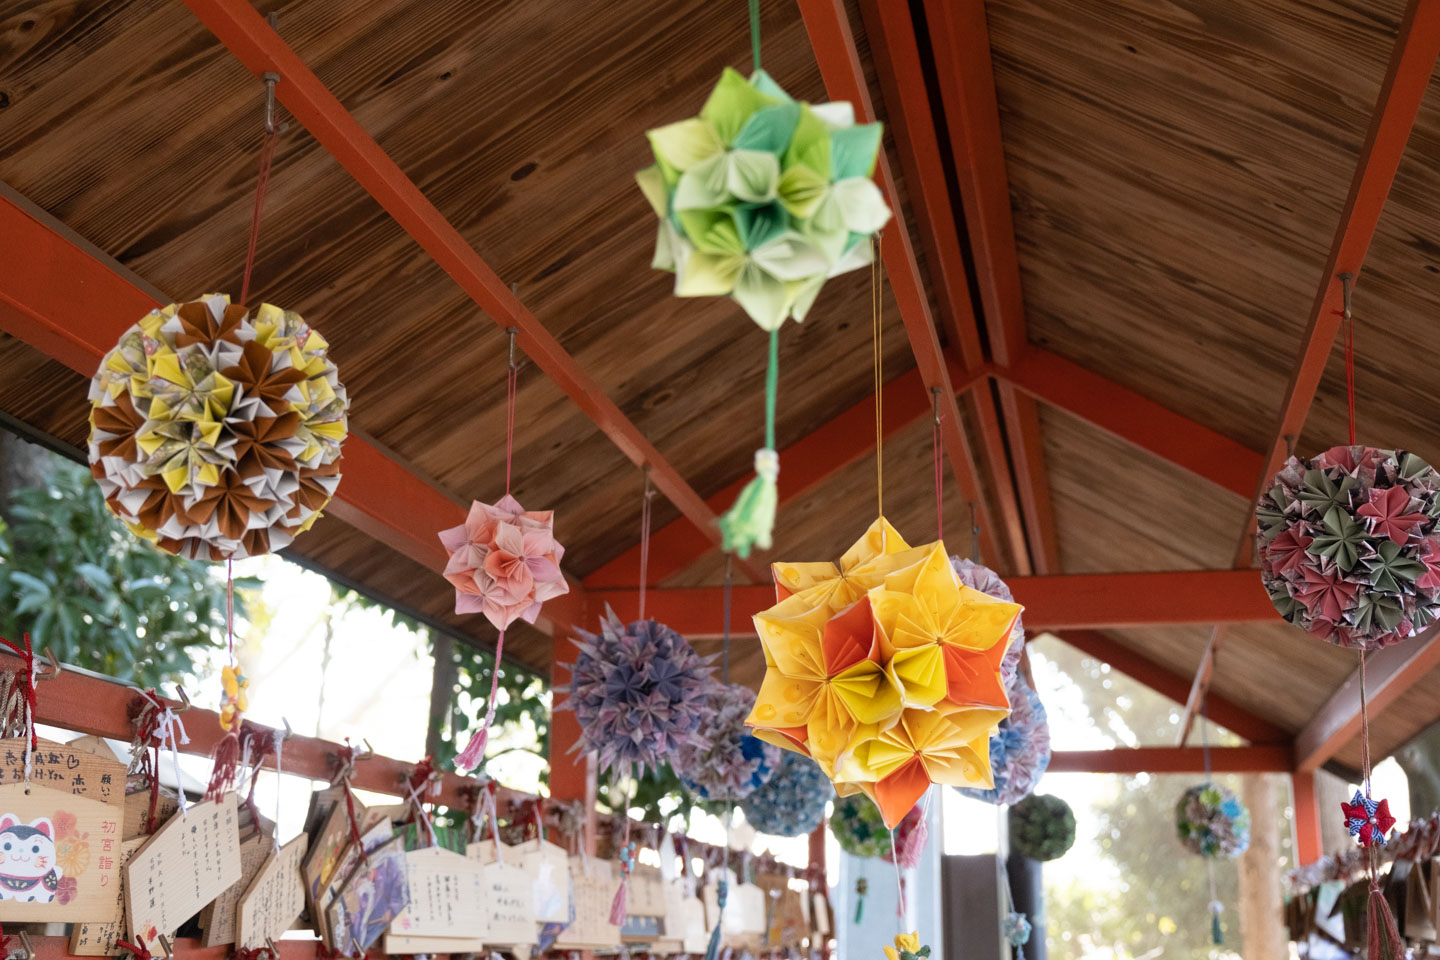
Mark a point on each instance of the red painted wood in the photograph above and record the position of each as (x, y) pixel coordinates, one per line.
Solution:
(246, 34)
(1126, 414)
(1309, 841)
(1051, 603)
(840, 68)
(1416, 47)
(1261, 759)
(1166, 682)
(572, 774)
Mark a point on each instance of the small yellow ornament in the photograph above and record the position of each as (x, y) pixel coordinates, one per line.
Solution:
(237, 700)
(907, 947)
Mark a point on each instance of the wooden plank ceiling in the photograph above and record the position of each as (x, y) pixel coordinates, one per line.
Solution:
(1176, 172)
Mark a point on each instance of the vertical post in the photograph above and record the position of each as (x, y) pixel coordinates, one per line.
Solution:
(817, 869)
(1262, 925)
(1308, 842)
(572, 775)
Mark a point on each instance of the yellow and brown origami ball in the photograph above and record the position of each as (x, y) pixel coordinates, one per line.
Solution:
(885, 669)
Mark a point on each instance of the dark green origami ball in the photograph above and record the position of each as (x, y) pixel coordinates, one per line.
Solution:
(1042, 827)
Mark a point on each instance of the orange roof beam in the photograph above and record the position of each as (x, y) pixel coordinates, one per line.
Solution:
(839, 63)
(237, 25)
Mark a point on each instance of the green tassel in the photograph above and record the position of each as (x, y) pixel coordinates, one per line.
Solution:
(1217, 937)
(712, 949)
(750, 522)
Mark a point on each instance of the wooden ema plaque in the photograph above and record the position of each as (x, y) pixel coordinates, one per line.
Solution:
(509, 895)
(548, 866)
(137, 810)
(186, 864)
(217, 918)
(75, 768)
(645, 907)
(274, 899)
(594, 890)
(59, 855)
(98, 938)
(447, 896)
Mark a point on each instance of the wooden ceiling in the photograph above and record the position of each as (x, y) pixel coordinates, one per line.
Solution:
(1176, 172)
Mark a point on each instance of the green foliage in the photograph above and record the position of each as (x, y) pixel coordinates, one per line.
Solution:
(78, 582)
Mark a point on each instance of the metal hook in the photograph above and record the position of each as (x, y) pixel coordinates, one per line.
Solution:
(649, 490)
(165, 946)
(366, 754)
(271, 78)
(1347, 281)
(274, 950)
(289, 732)
(935, 394)
(1289, 445)
(510, 332)
(184, 699)
(26, 945)
(55, 668)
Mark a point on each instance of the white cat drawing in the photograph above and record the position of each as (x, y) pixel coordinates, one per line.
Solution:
(28, 870)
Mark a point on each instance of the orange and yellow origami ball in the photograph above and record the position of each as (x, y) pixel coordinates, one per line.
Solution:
(885, 669)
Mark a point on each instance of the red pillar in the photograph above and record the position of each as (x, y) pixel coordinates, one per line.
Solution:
(572, 775)
(1308, 844)
(817, 869)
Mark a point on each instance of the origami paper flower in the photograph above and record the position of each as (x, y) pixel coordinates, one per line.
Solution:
(1019, 750)
(792, 802)
(859, 829)
(1212, 822)
(1347, 545)
(896, 765)
(639, 692)
(215, 431)
(504, 561)
(1367, 820)
(1016, 929)
(879, 551)
(907, 947)
(732, 763)
(941, 638)
(987, 581)
(1042, 827)
(823, 677)
(762, 197)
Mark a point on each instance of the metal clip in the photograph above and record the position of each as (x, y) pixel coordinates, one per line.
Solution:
(26, 946)
(165, 947)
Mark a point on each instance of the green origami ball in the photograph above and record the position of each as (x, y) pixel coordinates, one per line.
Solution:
(1042, 827)
(762, 197)
(859, 828)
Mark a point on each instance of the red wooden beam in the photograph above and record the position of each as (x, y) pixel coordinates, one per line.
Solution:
(897, 62)
(1051, 603)
(1164, 681)
(259, 48)
(1132, 417)
(839, 63)
(1262, 759)
(1309, 841)
(805, 465)
(1411, 63)
(1388, 674)
(960, 43)
(66, 299)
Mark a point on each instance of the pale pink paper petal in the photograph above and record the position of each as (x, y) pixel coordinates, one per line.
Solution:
(537, 542)
(550, 589)
(531, 612)
(509, 539)
(508, 507)
(454, 538)
(542, 567)
(479, 527)
(459, 562)
(469, 603)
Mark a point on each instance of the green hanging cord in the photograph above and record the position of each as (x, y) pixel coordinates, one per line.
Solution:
(750, 521)
(755, 33)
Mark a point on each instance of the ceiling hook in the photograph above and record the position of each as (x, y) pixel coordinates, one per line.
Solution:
(184, 698)
(1347, 283)
(55, 668)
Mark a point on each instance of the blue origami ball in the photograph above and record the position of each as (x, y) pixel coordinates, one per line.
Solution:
(793, 802)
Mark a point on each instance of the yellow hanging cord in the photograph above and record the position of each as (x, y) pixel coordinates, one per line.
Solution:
(876, 275)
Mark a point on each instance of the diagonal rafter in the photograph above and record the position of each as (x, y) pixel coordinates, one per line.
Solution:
(1412, 61)
(237, 25)
(835, 52)
(960, 44)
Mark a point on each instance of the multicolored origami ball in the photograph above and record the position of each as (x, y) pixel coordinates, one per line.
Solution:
(793, 802)
(1042, 827)
(215, 431)
(977, 576)
(1348, 545)
(1212, 822)
(731, 764)
(762, 197)
(504, 561)
(1019, 750)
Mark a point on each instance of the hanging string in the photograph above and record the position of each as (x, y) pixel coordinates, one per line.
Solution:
(474, 753)
(877, 347)
(26, 675)
(346, 758)
(974, 535)
(1216, 934)
(1349, 320)
(935, 444)
(648, 497)
(755, 33)
(262, 182)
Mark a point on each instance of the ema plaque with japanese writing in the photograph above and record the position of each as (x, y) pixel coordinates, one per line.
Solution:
(100, 938)
(59, 855)
(186, 864)
(274, 898)
(74, 768)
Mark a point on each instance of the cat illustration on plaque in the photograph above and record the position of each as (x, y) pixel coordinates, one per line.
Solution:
(28, 870)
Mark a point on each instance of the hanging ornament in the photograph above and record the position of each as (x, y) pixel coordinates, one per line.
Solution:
(731, 763)
(1016, 929)
(885, 669)
(907, 947)
(1348, 545)
(1212, 822)
(1042, 827)
(1019, 750)
(861, 832)
(1369, 821)
(504, 561)
(987, 581)
(235, 686)
(215, 430)
(793, 802)
(639, 692)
